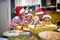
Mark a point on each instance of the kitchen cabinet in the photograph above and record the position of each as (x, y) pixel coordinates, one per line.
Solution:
(47, 5)
(51, 5)
(27, 2)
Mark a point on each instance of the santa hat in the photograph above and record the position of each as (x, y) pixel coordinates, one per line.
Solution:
(19, 10)
(46, 14)
(28, 14)
(39, 11)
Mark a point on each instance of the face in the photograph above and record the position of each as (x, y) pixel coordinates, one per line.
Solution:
(29, 17)
(21, 15)
(40, 16)
(46, 18)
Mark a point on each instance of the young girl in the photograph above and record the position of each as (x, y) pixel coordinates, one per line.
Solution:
(29, 19)
(46, 19)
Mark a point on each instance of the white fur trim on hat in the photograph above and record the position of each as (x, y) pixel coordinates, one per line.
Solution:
(22, 10)
(39, 13)
(46, 16)
(16, 17)
(29, 14)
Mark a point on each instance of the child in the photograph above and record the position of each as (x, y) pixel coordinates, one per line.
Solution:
(46, 19)
(29, 19)
(39, 14)
(38, 18)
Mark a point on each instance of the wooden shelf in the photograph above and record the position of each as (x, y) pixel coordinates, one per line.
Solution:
(49, 7)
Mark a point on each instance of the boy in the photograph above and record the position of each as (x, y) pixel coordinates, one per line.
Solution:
(39, 14)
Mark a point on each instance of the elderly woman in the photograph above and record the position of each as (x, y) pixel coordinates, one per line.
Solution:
(19, 18)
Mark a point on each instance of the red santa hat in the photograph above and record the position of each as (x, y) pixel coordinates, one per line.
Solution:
(39, 11)
(46, 14)
(19, 10)
(28, 14)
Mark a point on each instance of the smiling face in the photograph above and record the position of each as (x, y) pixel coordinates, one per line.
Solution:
(21, 15)
(29, 17)
(46, 19)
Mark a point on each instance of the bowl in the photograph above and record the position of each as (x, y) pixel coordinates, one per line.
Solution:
(41, 29)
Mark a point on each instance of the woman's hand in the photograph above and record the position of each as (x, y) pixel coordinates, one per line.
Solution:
(13, 27)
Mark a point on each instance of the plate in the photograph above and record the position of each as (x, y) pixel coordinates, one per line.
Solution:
(24, 33)
(11, 33)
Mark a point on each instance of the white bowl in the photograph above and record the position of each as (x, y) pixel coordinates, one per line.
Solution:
(11, 33)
